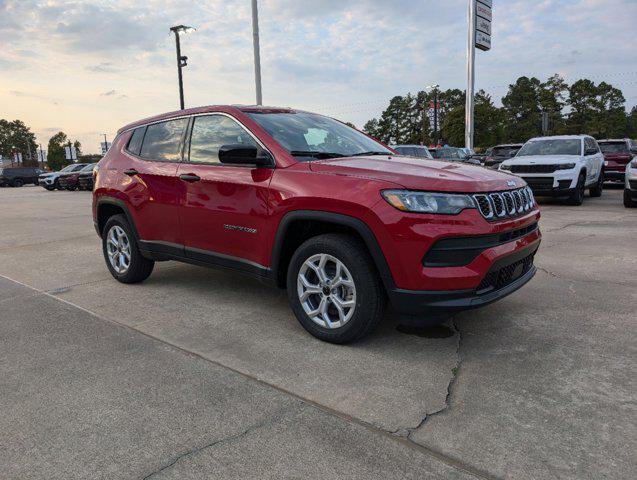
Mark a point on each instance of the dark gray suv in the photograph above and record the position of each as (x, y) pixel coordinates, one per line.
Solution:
(18, 176)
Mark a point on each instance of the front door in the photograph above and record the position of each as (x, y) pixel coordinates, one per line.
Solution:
(225, 208)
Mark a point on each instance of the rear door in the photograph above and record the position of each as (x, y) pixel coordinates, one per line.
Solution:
(225, 207)
(149, 181)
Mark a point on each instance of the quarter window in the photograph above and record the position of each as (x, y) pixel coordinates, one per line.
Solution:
(135, 142)
(211, 132)
(162, 140)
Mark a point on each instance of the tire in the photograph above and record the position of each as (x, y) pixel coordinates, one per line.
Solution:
(139, 268)
(17, 183)
(56, 185)
(50, 188)
(357, 268)
(70, 189)
(597, 190)
(628, 201)
(577, 198)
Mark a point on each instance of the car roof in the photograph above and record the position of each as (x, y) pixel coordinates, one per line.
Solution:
(206, 109)
(614, 140)
(561, 137)
(410, 145)
(508, 145)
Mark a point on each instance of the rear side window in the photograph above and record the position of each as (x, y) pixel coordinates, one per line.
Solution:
(135, 142)
(162, 140)
(211, 132)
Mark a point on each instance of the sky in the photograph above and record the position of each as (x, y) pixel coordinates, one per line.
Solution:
(89, 67)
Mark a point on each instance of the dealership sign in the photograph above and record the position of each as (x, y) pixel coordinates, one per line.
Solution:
(484, 16)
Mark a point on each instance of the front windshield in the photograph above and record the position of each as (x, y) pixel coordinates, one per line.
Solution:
(571, 146)
(308, 135)
(68, 168)
(613, 147)
(88, 168)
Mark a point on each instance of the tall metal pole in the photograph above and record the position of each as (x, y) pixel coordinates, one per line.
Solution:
(181, 81)
(471, 60)
(257, 54)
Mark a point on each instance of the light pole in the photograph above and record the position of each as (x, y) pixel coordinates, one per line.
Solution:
(257, 53)
(182, 60)
(471, 76)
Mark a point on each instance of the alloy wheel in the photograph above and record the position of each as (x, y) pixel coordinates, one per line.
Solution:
(118, 249)
(326, 291)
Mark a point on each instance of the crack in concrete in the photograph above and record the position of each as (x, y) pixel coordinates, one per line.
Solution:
(193, 451)
(407, 431)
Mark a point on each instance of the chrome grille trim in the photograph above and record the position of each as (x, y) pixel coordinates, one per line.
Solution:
(498, 204)
(509, 204)
(484, 205)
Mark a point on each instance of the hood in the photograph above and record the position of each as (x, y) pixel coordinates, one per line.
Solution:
(618, 156)
(542, 159)
(420, 174)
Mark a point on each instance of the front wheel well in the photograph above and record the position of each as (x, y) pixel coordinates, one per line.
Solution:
(300, 230)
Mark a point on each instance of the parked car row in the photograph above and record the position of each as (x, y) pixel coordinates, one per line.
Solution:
(19, 176)
(77, 176)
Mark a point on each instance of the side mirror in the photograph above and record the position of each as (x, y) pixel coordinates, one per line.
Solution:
(239, 154)
(590, 151)
(633, 150)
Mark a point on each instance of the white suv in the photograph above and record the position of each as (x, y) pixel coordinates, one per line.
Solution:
(630, 191)
(561, 166)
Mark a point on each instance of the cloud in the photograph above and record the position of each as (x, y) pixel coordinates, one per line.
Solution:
(343, 58)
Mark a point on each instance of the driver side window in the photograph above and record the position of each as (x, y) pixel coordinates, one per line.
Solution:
(210, 133)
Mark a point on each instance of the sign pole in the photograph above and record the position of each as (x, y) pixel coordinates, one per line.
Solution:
(471, 60)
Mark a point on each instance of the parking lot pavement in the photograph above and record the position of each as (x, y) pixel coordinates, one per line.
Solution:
(539, 385)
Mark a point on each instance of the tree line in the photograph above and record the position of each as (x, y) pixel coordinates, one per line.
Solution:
(17, 137)
(582, 107)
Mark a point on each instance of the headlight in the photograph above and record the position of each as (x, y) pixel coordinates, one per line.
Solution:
(428, 202)
(505, 167)
(565, 166)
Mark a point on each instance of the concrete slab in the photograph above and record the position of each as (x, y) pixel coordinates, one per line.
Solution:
(545, 386)
(84, 398)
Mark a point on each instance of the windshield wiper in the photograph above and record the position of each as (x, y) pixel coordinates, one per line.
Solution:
(315, 154)
(366, 154)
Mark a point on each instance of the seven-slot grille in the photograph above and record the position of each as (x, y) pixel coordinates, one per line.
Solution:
(533, 168)
(497, 205)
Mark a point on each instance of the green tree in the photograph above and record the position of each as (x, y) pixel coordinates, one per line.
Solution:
(522, 110)
(15, 137)
(597, 110)
(553, 96)
(631, 123)
(489, 128)
(55, 154)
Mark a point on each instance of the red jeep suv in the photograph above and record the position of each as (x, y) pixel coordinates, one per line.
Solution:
(314, 206)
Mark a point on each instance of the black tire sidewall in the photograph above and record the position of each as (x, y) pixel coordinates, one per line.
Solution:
(368, 306)
(578, 196)
(140, 267)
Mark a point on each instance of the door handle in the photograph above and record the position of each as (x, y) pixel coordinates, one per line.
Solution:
(131, 172)
(189, 177)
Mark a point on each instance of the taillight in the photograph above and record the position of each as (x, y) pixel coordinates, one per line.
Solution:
(97, 167)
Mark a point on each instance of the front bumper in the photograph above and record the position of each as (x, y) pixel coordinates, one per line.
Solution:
(614, 175)
(550, 186)
(503, 278)
(45, 182)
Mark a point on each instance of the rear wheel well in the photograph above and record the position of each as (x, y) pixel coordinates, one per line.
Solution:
(106, 211)
(297, 232)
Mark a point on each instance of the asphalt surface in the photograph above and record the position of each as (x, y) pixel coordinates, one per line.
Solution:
(203, 374)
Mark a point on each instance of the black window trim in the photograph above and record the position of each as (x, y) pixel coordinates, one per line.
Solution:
(186, 158)
(186, 138)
